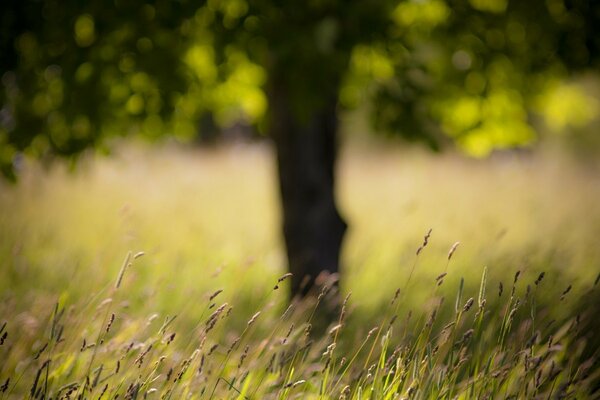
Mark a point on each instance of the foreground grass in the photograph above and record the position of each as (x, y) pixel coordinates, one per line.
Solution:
(100, 349)
(205, 221)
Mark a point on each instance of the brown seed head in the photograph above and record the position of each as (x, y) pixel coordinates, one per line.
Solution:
(468, 305)
(539, 278)
(425, 241)
(110, 322)
(215, 294)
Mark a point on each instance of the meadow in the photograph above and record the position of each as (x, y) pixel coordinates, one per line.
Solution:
(158, 272)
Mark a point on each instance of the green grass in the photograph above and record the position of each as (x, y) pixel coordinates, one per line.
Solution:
(208, 221)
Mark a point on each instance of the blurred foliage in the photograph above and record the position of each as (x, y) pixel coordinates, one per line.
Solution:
(473, 69)
(468, 71)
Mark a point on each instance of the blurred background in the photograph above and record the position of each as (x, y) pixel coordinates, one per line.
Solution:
(129, 125)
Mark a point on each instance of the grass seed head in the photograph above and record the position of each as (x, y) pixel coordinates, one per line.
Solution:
(289, 332)
(336, 328)
(564, 293)
(396, 294)
(452, 250)
(233, 344)
(540, 278)
(4, 387)
(215, 294)
(281, 279)
(324, 290)
(425, 241)
(372, 331)
(212, 349)
(329, 350)
(307, 330)
(243, 356)
(110, 322)
(468, 305)
(253, 319)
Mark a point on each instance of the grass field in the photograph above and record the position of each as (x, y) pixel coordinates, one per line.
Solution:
(110, 279)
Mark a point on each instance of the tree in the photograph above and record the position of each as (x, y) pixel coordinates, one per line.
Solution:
(467, 72)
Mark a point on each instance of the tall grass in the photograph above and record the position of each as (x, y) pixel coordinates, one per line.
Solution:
(498, 346)
(203, 312)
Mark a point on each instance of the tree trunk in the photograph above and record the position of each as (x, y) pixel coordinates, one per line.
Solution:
(306, 153)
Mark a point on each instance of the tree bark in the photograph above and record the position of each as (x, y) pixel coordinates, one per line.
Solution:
(306, 153)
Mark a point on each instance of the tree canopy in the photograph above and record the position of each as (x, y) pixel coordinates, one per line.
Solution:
(470, 72)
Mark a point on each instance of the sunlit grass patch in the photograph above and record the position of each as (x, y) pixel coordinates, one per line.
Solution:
(208, 221)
